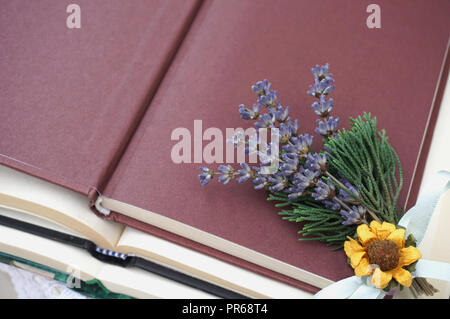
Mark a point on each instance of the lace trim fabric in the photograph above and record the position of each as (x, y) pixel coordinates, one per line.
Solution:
(29, 285)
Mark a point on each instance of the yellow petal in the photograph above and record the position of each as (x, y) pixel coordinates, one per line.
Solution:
(381, 279)
(364, 268)
(365, 236)
(408, 255)
(351, 246)
(382, 231)
(354, 251)
(402, 276)
(398, 237)
(374, 225)
(356, 258)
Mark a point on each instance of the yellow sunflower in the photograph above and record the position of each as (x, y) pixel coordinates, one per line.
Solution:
(381, 252)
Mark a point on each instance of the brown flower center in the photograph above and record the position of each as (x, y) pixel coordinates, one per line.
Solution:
(383, 253)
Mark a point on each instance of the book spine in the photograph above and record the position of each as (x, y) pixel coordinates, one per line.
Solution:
(95, 203)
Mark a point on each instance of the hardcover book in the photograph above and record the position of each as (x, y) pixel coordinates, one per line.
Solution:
(94, 111)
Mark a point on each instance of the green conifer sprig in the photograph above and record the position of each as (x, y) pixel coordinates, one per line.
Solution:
(318, 222)
(365, 158)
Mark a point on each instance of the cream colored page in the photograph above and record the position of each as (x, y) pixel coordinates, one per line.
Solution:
(199, 265)
(38, 221)
(439, 154)
(139, 283)
(47, 252)
(56, 204)
(437, 238)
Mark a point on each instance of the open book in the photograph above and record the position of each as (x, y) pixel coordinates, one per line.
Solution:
(81, 265)
(55, 208)
(94, 111)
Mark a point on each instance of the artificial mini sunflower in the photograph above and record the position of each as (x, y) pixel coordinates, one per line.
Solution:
(380, 251)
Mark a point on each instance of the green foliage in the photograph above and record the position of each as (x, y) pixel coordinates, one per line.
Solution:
(319, 223)
(410, 241)
(365, 158)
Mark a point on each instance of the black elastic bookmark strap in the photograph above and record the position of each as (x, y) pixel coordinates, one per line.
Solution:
(44, 232)
(130, 261)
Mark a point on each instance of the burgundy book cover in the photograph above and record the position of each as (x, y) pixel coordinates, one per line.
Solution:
(71, 98)
(393, 72)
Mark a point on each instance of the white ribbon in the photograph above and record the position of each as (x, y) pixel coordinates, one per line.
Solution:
(417, 218)
(415, 221)
(432, 269)
(341, 289)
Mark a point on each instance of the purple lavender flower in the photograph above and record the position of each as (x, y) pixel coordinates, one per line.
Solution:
(327, 128)
(269, 99)
(290, 164)
(206, 175)
(266, 120)
(261, 87)
(286, 131)
(294, 192)
(324, 107)
(305, 178)
(291, 177)
(260, 180)
(280, 114)
(331, 204)
(299, 145)
(251, 147)
(355, 216)
(278, 182)
(293, 126)
(227, 173)
(245, 173)
(268, 153)
(321, 87)
(237, 139)
(323, 191)
(344, 196)
(321, 72)
(248, 114)
(316, 162)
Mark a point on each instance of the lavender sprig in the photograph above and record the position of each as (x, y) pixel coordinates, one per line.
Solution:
(303, 176)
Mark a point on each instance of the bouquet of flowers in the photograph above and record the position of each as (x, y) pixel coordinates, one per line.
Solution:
(344, 195)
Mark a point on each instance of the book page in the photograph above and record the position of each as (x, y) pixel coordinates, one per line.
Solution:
(205, 267)
(139, 283)
(437, 239)
(38, 221)
(49, 253)
(56, 204)
(439, 154)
